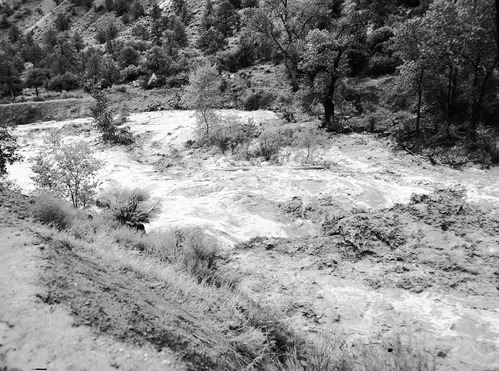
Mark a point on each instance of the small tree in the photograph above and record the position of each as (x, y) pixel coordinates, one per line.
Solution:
(62, 22)
(68, 170)
(109, 71)
(203, 95)
(226, 18)
(208, 19)
(310, 139)
(32, 52)
(36, 78)
(181, 10)
(8, 150)
(211, 41)
(137, 11)
(105, 122)
(111, 32)
(10, 80)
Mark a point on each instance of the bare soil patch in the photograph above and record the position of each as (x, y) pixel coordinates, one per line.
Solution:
(127, 306)
(40, 333)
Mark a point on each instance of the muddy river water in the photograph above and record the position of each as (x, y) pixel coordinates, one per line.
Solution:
(238, 200)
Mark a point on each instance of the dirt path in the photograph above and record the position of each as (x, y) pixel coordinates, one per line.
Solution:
(35, 335)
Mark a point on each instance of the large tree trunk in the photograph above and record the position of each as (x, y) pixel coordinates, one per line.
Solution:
(328, 101)
(293, 74)
(497, 27)
(328, 104)
(475, 106)
(478, 98)
(420, 98)
(328, 114)
(294, 81)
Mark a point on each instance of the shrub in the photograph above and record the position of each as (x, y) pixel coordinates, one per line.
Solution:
(62, 22)
(234, 59)
(48, 209)
(249, 3)
(379, 119)
(87, 226)
(101, 36)
(357, 59)
(68, 81)
(131, 73)
(272, 140)
(109, 5)
(197, 252)
(137, 10)
(83, 3)
(190, 248)
(121, 7)
(382, 65)
(111, 32)
(231, 133)
(131, 239)
(130, 207)
(128, 56)
(141, 31)
(486, 140)
(4, 22)
(258, 100)
(378, 39)
(211, 41)
(310, 139)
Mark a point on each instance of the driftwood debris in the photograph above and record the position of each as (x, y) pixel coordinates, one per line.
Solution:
(292, 168)
(409, 151)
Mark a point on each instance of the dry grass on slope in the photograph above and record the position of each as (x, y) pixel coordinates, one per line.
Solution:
(163, 290)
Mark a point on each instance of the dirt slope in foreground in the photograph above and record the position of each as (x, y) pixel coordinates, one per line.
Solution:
(34, 334)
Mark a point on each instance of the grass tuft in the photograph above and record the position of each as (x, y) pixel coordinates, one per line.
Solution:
(49, 210)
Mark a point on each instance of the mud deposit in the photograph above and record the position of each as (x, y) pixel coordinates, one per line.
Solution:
(425, 271)
(371, 242)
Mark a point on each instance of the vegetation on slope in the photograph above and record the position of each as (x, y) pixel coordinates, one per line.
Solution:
(166, 290)
(337, 57)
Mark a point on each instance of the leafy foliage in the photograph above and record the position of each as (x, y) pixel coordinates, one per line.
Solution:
(310, 139)
(203, 95)
(104, 119)
(67, 169)
(231, 133)
(10, 78)
(272, 140)
(48, 209)
(130, 207)
(9, 149)
(449, 57)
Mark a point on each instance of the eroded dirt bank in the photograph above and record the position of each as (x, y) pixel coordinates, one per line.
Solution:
(375, 242)
(38, 332)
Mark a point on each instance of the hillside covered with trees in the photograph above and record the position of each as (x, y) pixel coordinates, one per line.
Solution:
(425, 70)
